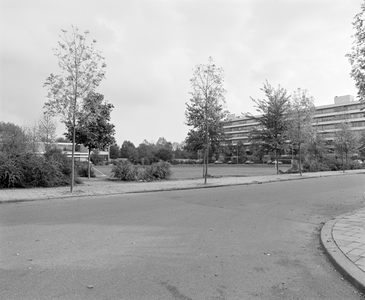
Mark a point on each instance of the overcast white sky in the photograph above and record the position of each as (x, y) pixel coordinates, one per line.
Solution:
(151, 48)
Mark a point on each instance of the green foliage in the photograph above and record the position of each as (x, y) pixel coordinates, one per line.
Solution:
(126, 171)
(159, 171)
(114, 151)
(60, 159)
(14, 140)
(93, 128)
(29, 170)
(96, 158)
(83, 170)
(270, 134)
(356, 55)
(205, 112)
(10, 173)
(128, 150)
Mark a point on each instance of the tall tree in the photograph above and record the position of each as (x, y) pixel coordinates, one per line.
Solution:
(82, 68)
(272, 119)
(205, 112)
(356, 56)
(94, 131)
(300, 117)
(346, 142)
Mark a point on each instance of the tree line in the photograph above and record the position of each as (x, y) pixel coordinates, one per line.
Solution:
(147, 153)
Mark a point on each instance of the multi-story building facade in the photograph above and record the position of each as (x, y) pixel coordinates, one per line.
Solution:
(325, 120)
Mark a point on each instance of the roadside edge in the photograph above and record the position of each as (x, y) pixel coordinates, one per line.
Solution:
(347, 268)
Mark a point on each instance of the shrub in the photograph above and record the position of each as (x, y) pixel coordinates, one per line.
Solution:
(96, 158)
(160, 170)
(83, 170)
(126, 171)
(10, 173)
(59, 158)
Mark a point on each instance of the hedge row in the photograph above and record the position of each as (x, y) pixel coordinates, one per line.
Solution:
(126, 171)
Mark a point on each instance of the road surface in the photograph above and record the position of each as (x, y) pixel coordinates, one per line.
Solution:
(244, 242)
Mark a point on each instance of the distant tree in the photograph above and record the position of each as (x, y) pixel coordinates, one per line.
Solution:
(316, 146)
(356, 56)
(272, 120)
(83, 68)
(47, 128)
(258, 148)
(114, 151)
(94, 131)
(145, 153)
(43, 130)
(164, 154)
(300, 116)
(13, 139)
(346, 142)
(128, 150)
(205, 112)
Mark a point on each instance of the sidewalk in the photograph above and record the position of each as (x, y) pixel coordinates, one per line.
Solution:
(342, 238)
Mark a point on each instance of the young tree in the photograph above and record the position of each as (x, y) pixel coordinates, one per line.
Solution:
(272, 119)
(356, 56)
(82, 68)
(205, 112)
(346, 142)
(300, 116)
(95, 130)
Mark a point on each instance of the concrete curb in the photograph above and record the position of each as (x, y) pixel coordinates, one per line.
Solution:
(86, 194)
(347, 268)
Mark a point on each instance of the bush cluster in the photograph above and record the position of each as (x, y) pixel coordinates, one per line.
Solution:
(126, 171)
(83, 169)
(29, 170)
(325, 164)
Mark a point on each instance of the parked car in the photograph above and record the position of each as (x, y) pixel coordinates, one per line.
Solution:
(249, 162)
(218, 162)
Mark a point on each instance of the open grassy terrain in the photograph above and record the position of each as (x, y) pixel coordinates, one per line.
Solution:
(196, 171)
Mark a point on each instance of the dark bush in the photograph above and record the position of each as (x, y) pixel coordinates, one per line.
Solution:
(10, 172)
(83, 170)
(96, 158)
(61, 159)
(126, 171)
(30, 170)
(159, 171)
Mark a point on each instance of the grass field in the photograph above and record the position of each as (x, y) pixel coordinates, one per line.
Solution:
(196, 171)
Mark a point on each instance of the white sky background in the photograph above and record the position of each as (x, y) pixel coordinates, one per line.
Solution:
(151, 48)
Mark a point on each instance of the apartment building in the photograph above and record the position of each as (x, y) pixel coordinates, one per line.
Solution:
(326, 118)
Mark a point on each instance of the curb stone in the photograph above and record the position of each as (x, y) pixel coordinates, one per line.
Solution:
(347, 268)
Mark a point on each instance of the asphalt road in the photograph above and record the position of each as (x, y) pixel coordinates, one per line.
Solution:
(243, 242)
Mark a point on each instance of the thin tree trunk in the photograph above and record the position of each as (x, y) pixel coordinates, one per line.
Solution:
(89, 165)
(73, 149)
(300, 160)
